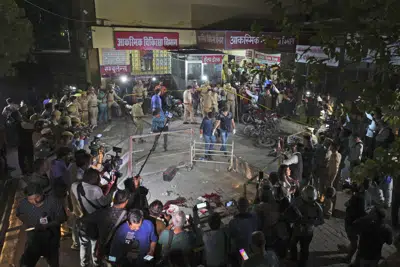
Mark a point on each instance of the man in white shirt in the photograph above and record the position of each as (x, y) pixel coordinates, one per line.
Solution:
(88, 197)
(188, 104)
(295, 163)
(371, 131)
(76, 170)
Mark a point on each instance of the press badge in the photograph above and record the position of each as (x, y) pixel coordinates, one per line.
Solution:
(129, 237)
(43, 220)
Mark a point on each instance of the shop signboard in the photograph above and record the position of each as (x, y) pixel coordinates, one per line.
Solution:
(115, 69)
(110, 56)
(249, 53)
(269, 59)
(211, 39)
(242, 40)
(246, 40)
(212, 59)
(146, 40)
(304, 52)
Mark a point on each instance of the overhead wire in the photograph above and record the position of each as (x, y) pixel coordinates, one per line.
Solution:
(73, 19)
(57, 15)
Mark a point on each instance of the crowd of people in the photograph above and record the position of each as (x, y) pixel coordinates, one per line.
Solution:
(66, 195)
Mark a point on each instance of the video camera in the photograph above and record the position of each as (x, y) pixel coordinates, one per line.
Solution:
(95, 145)
(114, 162)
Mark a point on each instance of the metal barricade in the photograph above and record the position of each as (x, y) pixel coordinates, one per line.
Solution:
(179, 151)
(196, 153)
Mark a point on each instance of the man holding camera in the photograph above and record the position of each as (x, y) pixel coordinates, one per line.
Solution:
(134, 242)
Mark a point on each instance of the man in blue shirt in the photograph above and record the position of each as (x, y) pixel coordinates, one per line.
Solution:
(156, 102)
(133, 241)
(157, 125)
(206, 131)
(226, 125)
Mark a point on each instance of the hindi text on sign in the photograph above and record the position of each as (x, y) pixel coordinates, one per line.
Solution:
(146, 40)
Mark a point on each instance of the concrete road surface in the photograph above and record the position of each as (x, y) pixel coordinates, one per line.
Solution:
(207, 178)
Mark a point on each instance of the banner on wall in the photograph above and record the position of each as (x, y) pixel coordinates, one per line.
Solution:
(231, 40)
(269, 59)
(114, 61)
(210, 39)
(249, 53)
(304, 52)
(212, 59)
(115, 69)
(110, 56)
(146, 40)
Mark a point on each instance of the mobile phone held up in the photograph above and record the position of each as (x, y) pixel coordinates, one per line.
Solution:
(202, 205)
(243, 254)
(148, 258)
(229, 203)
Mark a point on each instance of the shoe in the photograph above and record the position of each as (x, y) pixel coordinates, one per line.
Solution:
(210, 158)
(165, 149)
(141, 141)
(226, 153)
(185, 122)
(327, 216)
(194, 122)
(75, 247)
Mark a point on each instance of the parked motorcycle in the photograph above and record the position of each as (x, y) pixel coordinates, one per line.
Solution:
(174, 105)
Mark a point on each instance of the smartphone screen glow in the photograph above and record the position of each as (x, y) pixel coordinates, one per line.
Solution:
(244, 254)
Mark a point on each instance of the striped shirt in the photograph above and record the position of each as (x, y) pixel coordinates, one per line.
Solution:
(52, 208)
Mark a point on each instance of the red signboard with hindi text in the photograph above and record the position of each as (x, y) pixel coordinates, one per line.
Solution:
(211, 39)
(213, 59)
(146, 40)
(242, 40)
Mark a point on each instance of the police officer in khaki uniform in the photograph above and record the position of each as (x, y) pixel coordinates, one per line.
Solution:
(203, 90)
(83, 101)
(92, 106)
(208, 103)
(111, 97)
(74, 107)
(215, 95)
(140, 92)
(188, 105)
(66, 120)
(137, 114)
(231, 99)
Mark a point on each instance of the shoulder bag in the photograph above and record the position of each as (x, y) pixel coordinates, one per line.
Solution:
(86, 228)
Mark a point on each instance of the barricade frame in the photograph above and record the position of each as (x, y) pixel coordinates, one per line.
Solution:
(131, 161)
(194, 149)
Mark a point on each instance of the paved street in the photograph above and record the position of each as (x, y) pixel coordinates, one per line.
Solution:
(207, 178)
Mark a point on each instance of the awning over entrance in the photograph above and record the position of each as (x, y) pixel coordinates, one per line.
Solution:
(206, 56)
